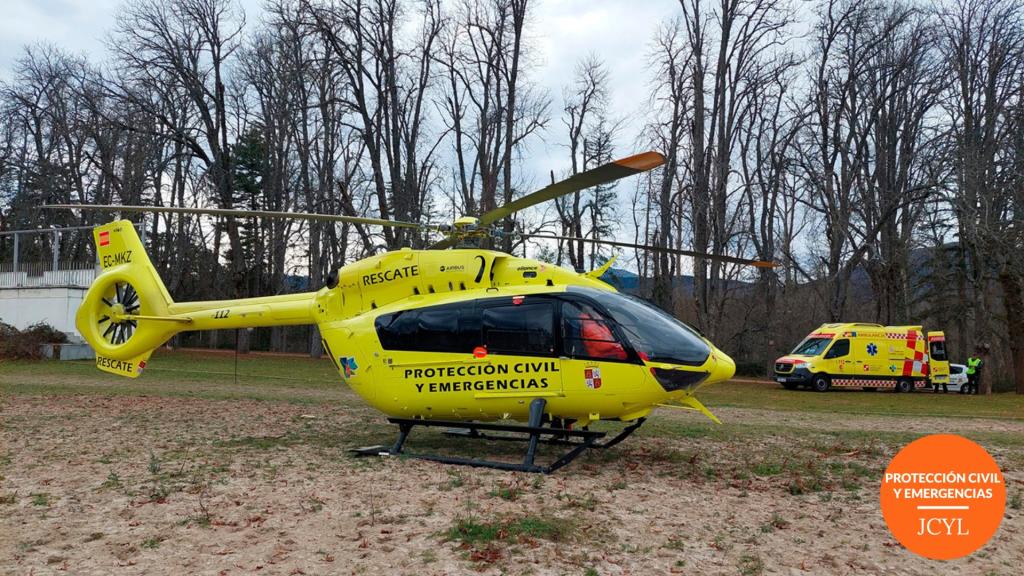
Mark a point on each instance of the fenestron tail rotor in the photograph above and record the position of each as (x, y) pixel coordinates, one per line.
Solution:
(120, 301)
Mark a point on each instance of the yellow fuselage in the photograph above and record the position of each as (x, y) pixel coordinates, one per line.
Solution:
(445, 385)
(420, 373)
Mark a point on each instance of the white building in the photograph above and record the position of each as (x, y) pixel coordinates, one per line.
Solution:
(50, 292)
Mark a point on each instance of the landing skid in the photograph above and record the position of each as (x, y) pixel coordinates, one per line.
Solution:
(534, 433)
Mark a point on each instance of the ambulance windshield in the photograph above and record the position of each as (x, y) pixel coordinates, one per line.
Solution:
(812, 346)
(654, 334)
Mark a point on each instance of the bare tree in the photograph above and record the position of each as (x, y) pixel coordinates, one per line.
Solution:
(853, 81)
(737, 48)
(491, 110)
(388, 85)
(983, 41)
(586, 214)
(672, 98)
(766, 173)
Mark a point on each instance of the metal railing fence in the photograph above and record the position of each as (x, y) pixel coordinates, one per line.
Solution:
(43, 274)
(54, 271)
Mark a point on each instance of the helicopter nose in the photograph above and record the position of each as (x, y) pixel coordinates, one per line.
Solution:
(723, 367)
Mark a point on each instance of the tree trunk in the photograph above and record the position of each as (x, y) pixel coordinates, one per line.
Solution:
(1014, 303)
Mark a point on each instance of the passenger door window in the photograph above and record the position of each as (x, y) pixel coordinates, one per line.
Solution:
(519, 329)
(839, 349)
(445, 328)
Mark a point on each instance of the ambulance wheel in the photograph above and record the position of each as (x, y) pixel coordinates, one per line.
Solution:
(821, 383)
(904, 386)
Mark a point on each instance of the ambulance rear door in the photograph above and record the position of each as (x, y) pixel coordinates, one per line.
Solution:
(938, 358)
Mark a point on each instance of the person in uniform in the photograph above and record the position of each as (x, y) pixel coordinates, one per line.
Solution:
(974, 365)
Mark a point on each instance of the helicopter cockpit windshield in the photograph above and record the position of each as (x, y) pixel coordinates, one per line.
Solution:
(655, 335)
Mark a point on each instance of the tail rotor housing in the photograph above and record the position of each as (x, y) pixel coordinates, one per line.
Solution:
(117, 316)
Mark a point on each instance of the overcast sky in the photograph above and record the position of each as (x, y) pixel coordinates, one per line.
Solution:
(562, 32)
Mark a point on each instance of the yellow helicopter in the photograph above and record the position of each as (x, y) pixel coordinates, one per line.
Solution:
(462, 338)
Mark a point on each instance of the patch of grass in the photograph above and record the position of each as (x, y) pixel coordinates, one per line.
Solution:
(41, 499)
(675, 544)
(766, 468)
(509, 492)
(662, 453)
(721, 543)
(776, 522)
(154, 464)
(325, 556)
(590, 572)
(771, 396)
(455, 480)
(200, 374)
(751, 565)
(586, 502)
(635, 549)
(1015, 500)
(315, 504)
(94, 536)
(470, 531)
(201, 520)
(473, 532)
(618, 485)
(159, 492)
(808, 477)
(152, 543)
(112, 481)
(804, 485)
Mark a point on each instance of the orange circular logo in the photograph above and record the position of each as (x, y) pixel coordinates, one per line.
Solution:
(943, 496)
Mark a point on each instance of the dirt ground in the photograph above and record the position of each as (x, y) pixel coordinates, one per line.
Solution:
(164, 485)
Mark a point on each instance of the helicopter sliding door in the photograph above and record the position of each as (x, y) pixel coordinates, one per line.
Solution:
(518, 336)
(481, 359)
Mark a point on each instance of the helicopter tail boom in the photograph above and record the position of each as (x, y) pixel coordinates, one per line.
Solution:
(127, 312)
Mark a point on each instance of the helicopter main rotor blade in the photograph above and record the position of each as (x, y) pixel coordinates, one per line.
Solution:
(603, 174)
(241, 214)
(720, 257)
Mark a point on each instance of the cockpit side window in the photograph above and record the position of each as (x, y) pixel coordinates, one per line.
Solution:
(587, 334)
(654, 334)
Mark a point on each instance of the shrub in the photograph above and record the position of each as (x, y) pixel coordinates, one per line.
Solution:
(25, 344)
